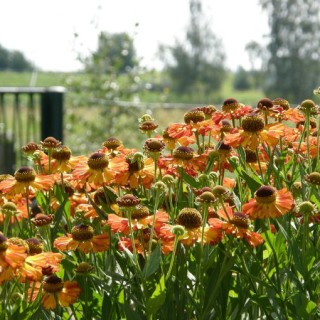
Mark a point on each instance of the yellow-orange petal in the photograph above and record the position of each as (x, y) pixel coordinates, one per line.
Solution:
(49, 301)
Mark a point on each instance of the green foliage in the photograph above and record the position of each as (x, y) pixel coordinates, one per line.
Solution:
(293, 68)
(196, 63)
(14, 60)
(115, 54)
(242, 80)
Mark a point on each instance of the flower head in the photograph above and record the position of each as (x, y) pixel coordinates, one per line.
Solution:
(25, 181)
(269, 203)
(55, 291)
(82, 237)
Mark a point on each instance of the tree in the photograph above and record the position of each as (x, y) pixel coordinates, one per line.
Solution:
(14, 60)
(112, 73)
(198, 61)
(241, 79)
(257, 59)
(294, 55)
(115, 54)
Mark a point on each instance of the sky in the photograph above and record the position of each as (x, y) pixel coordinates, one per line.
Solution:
(44, 30)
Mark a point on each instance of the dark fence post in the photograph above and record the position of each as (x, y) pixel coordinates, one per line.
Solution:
(52, 113)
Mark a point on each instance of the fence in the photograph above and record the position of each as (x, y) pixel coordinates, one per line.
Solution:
(27, 114)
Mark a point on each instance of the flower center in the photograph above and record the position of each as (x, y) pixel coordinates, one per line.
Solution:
(251, 156)
(98, 161)
(148, 126)
(265, 103)
(183, 153)
(50, 143)
(128, 200)
(240, 220)
(35, 246)
(206, 197)
(41, 219)
(282, 103)
(252, 124)
(112, 143)
(265, 194)
(194, 116)
(153, 145)
(25, 174)
(62, 154)
(52, 284)
(223, 148)
(230, 105)
(207, 110)
(140, 212)
(190, 218)
(313, 178)
(82, 232)
(30, 148)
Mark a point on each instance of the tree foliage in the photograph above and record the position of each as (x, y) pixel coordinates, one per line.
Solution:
(242, 79)
(197, 62)
(111, 74)
(294, 55)
(14, 60)
(115, 54)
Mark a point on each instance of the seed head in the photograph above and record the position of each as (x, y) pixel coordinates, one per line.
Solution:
(265, 194)
(194, 115)
(98, 161)
(128, 200)
(82, 232)
(230, 105)
(189, 218)
(25, 175)
(252, 123)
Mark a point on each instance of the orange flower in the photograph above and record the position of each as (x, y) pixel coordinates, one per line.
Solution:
(55, 291)
(140, 220)
(61, 160)
(82, 238)
(12, 256)
(26, 180)
(33, 265)
(235, 224)
(254, 132)
(183, 157)
(236, 113)
(126, 244)
(191, 220)
(219, 130)
(139, 172)
(98, 170)
(269, 203)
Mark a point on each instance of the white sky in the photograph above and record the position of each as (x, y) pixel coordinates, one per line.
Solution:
(44, 29)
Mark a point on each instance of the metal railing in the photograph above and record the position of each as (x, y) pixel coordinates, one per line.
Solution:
(27, 114)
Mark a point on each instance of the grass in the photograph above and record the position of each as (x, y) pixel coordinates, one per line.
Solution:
(43, 79)
(22, 79)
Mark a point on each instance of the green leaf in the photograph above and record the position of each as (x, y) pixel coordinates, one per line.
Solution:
(233, 294)
(58, 217)
(310, 306)
(100, 212)
(153, 263)
(191, 181)
(121, 297)
(253, 181)
(158, 297)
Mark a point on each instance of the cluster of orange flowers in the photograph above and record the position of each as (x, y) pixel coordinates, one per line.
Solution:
(142, 197)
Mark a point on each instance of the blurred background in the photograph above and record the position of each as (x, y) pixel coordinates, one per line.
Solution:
(83, 71)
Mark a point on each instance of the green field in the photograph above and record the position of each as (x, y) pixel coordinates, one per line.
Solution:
(44, 79)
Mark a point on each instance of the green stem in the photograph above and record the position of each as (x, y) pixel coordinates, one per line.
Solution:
(176, 241)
